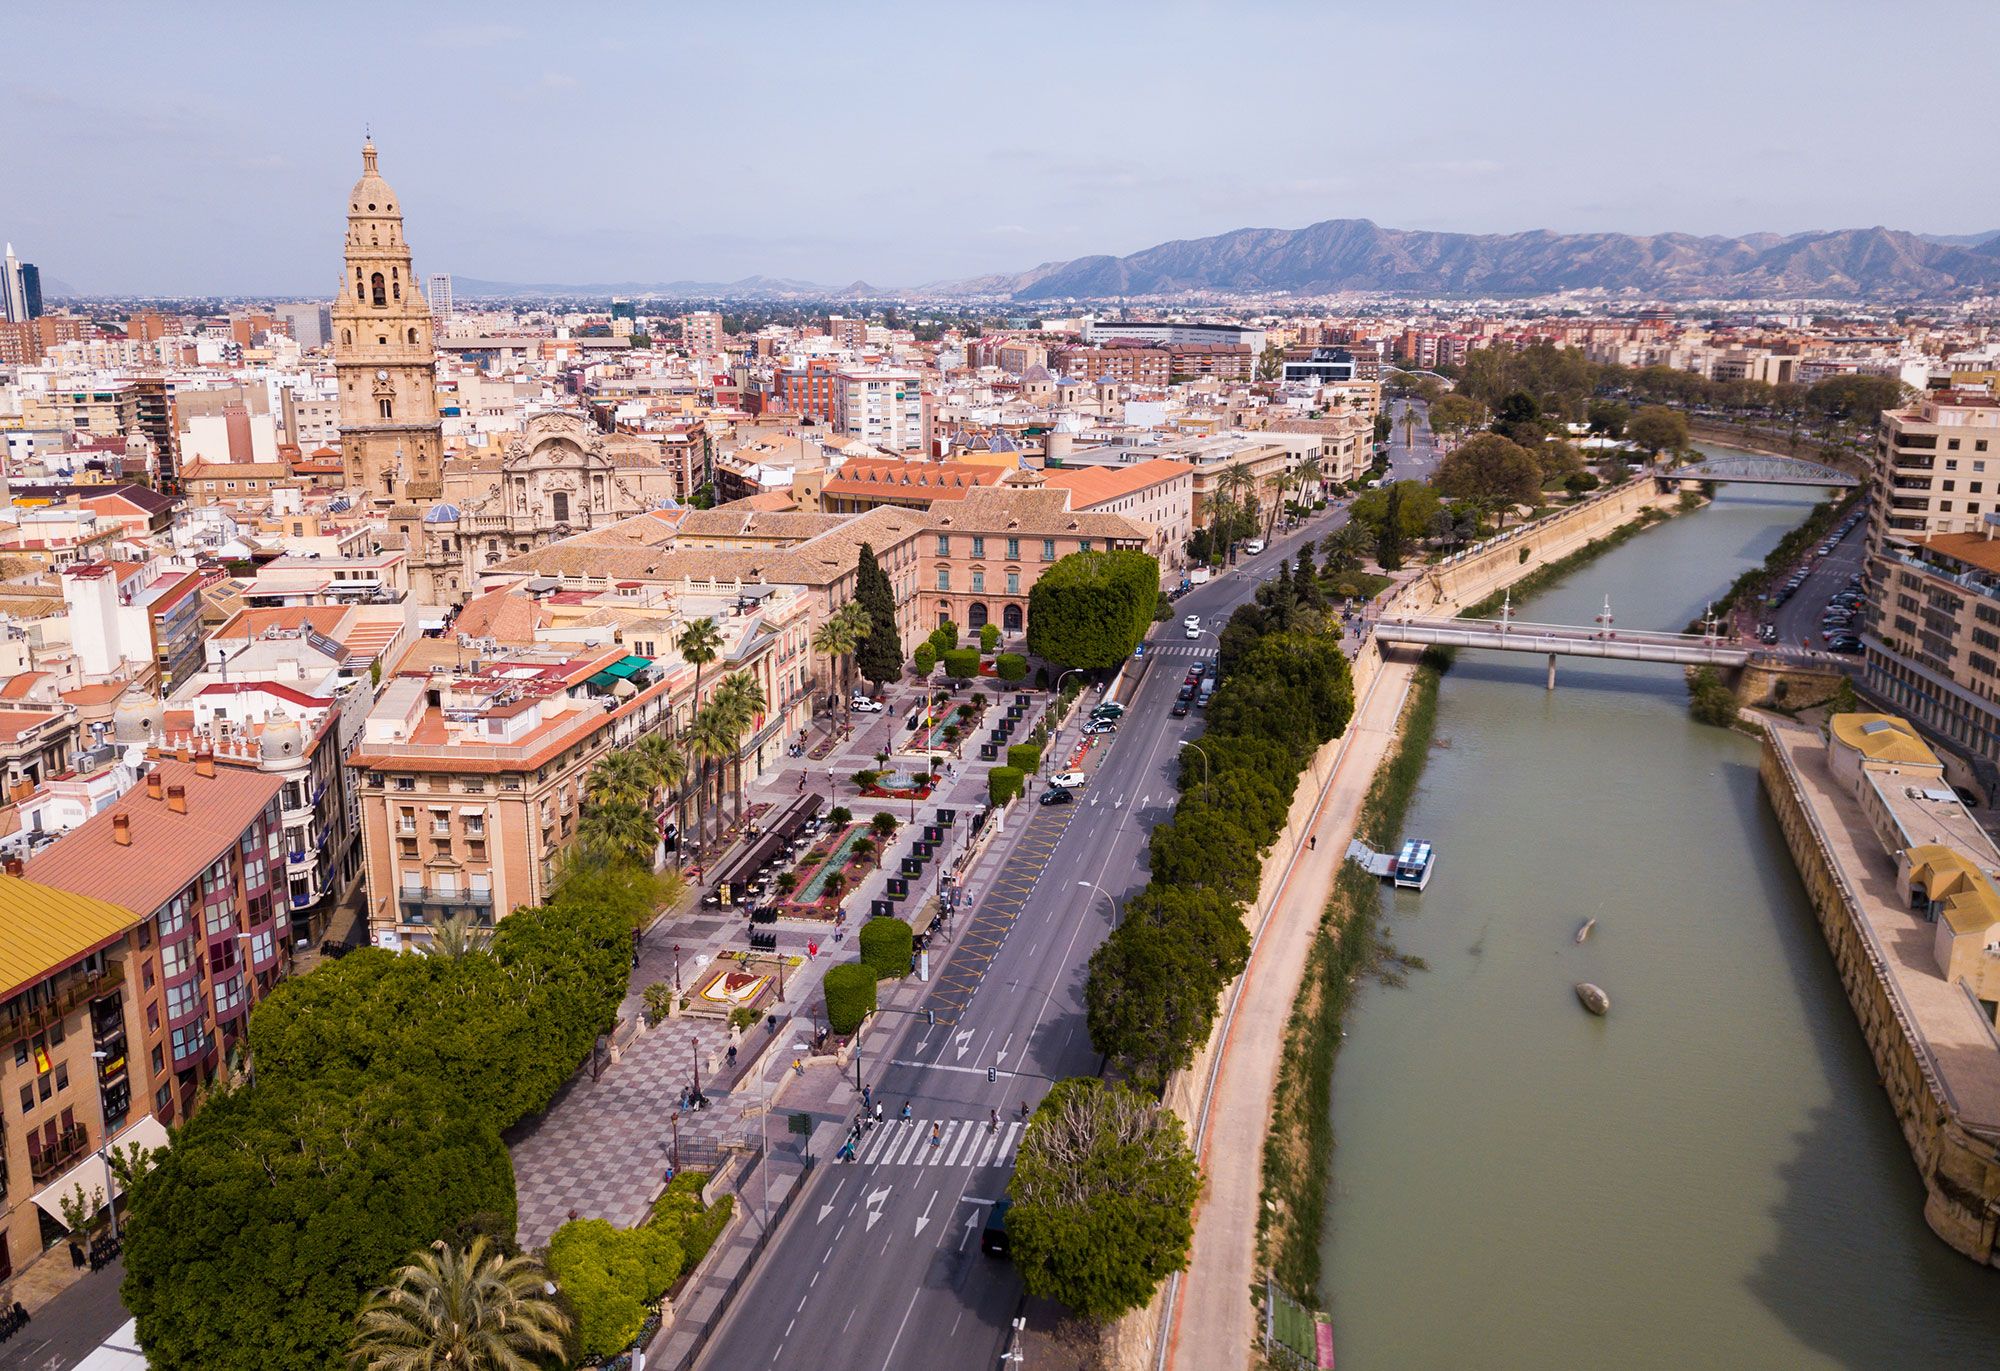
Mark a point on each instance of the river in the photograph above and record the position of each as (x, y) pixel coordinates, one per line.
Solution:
(1710, 1177)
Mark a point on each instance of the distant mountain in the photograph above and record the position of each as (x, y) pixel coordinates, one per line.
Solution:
(749, 288)
(1357, 255)
(1962, 240)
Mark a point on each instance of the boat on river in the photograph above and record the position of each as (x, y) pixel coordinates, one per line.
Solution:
(1413, 865)
(1595, 1000)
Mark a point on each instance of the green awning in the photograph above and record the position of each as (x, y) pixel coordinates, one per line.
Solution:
(626, 667)
(601, 681)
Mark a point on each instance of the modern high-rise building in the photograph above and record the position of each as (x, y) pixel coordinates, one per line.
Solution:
(702, 332)
(440, 293)
(20, 289)
(383, 354)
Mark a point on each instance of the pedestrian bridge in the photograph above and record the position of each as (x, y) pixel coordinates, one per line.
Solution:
(1564, 640)
(1768, 471)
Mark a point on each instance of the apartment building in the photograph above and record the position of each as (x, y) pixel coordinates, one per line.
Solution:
(1933, 645)
(106, 410)
(701, 333)
(135, 619)
(1343, 443)
(882, 407)
(1932, 466)
(1157, 493)
(981, 555)
(1138, 366)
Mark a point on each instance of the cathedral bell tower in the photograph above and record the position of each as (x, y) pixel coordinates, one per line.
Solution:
(390, 436)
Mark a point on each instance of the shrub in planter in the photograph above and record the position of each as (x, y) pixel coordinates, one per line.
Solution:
(838, 815)
(850, 996)
(979, 699)
(864, 779)
(924, 659)
(989, 637)
(944, 638)
(886, 945)
(884, 823)
(863, 850)
(965, 712)
(961, 664)
(1024, 756)
(1003, 783)
(1012, 666)
(659, 1000)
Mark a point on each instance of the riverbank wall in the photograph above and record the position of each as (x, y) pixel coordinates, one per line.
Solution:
(1960, 1167)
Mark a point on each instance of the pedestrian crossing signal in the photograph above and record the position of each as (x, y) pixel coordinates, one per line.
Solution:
(991, 1075)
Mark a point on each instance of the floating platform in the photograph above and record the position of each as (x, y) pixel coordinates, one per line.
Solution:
(1410, 868)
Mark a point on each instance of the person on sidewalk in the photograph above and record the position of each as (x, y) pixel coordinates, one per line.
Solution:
(1312, 843)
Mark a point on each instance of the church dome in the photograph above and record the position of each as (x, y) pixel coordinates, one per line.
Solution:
(371, 194)
(281, 740)
(441, 514)
(136, 716)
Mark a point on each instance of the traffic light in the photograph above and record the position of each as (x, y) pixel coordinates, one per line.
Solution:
(930, 1016)
(991, 1075)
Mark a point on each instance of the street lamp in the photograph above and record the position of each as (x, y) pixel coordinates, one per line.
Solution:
(1093, 885)
(764, 1138)
(677, 968)
(104, 1141)
(1204, 770)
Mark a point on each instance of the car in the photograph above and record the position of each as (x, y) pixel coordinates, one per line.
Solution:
(1100, 726)
(1199, 669)
(1056, 795)
(993, 1239)
(1192, 621)
(1181, 707)
(1069, 780)
(1191, 633)
(1110, 709)
(1253, 547)
(861, 704)
(1187, 691)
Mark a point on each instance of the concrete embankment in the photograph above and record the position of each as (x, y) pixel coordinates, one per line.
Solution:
(1943, 1081)
(1204, 1318)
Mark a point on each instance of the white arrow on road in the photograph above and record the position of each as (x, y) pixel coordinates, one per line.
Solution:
(926, 1218)
(964, 1037)
(875, 1204)
(824, 1210)
(971, 1222)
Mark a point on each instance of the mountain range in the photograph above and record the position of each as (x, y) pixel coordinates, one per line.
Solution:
(1360, 256)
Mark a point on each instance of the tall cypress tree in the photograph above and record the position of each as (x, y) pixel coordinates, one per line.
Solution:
(880, 656)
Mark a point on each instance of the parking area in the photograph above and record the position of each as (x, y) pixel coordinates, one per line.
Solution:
(1819, 605)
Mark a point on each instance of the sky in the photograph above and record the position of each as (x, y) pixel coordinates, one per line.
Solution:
(207, 149)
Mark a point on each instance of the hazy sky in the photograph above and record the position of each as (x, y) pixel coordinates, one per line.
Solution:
(190, 149)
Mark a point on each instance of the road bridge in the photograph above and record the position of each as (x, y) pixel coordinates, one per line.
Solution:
(1508, 634)
(1766, 471)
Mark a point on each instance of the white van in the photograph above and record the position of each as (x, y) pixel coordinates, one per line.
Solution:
(1253, 547)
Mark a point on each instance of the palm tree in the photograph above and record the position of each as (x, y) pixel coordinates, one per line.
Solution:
(700, 642)
(707, 740)
(453, 1311)
(666, 766)
(838, 637)
(1278, 482)
(1312, 471)
(457, 938)
(618, 831)
(744, 702)
(1346, 546)
(618, 778)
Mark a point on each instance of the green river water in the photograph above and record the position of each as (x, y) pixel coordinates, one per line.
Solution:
(1710, 1177)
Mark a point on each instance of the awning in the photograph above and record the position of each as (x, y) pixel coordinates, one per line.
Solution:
(93, 1175)
(601, 681)
(626, 666)
(429, 625)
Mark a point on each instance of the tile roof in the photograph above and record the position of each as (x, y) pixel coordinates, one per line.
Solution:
(1093, 485)
(249, 623)
(44, 928)
(1034, 513)
(502, 616)
(168, 850)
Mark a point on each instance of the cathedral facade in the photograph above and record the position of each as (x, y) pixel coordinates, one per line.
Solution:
(390, 436)
(560, 477)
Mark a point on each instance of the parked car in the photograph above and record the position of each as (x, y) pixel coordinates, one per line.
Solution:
(1069, 780)
(1056, 795)
(993, 1240)
(861, 704)
(1110, 709)
(1181, 707)
(1100, 726)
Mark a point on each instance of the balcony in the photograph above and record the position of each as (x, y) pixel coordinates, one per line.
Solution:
(53, 1160)
(432, 906)
(20, 1021)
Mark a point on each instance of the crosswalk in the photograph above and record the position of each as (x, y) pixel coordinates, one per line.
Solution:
(960, 1142)
(1180, 650)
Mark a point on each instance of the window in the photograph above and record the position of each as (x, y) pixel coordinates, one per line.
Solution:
(560, 503)
(413, 335)
(1013, 583)
(181, 999)
(388, 407)
(1951, 445)
(944, 545)
(228, 995)
(1014, 548)
(153, 1017)
(979, 547)
(176, 958)
(379, 288)
(27, 1098)
(62, 1075)
(21, 1052)
(406, 783)
(1083, 545)
(944, 578)
(1048, 549)
(159, 1060)
(146, 975)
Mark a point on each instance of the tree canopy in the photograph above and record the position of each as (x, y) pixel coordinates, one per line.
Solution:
(1103, 1198)
(1092, 608)
(1658, 429)
(1490, 467)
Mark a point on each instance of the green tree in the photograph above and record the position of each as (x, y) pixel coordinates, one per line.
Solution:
(1346, 546)
(1658, 429)
(944, 638)
(612, 1277)
(1392, 533)
(924, 659)
(880, 657)
(1092, 608)
(989, 636)
(699, 643)
(886, 945)
(1010, 667)
(850, 995)
(1608, 417)
(1271, 363)
(467, 1311)
(710, 744)
(1490, 467)
(1103, 1198)
(742, 701)
(1454, 414)
(1384, 426)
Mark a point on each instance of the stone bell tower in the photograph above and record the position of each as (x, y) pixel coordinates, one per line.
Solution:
(390, 436)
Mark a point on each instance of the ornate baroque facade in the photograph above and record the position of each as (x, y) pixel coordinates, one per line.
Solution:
(390, 435)
(559, 478)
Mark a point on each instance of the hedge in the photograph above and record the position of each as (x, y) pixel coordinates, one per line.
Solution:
(1011, 666)
(850, 996)
(989, 637)
(1024, 756)
(961, 663)
(1092, 608)
(612, 1277)
(924, 659)
(886, 945)
(1003, 783)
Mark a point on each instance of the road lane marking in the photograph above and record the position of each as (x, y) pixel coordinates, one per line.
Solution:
(899, 1328)
(959, 1147)
(925, 1217)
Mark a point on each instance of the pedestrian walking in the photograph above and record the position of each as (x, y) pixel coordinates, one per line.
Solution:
(906, 1111)
(798, 1067)
(937, 1135)
(878, 1111)
(1312, 843)
(867, 1094)
(732, 1055)
(993, 1121)
(802, 783)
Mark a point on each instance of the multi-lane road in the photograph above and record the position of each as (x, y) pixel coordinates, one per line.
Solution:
(878, 1265)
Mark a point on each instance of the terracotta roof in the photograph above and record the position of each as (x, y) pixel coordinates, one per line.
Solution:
(216, 471)
(44, 928)
(15, 722)
(95, 694)
(17, 687)
(1093, 485)
(502, 616)
(168, 850)
(1971, 548)
(249, 623)
(1032, 513)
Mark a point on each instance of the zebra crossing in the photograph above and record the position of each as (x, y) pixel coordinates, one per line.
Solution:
(961, 1142)
(1180, 650)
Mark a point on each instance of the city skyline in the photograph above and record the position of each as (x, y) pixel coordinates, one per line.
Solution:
(845, 145)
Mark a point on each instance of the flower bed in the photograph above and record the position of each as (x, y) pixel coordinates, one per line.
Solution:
(834, 857)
